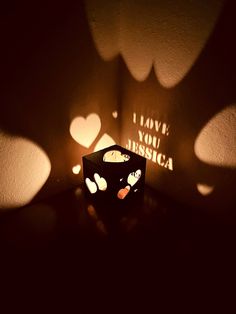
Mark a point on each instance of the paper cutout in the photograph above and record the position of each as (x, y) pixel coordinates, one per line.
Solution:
(134, 177)
(91, 186)
(115, 156)
(101, 182)
(122, 193)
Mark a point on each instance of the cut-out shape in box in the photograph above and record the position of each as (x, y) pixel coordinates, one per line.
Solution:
(133, 178)
(115, 156)
(127, 173)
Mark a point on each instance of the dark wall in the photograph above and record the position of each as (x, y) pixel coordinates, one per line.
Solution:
(51, 73)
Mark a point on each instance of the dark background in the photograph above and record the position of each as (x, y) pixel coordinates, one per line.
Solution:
(176, 249)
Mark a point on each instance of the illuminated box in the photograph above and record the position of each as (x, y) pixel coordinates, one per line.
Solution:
(114, 174)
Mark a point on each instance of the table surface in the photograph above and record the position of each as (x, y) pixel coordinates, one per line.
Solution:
(71, 216)
(67, 239)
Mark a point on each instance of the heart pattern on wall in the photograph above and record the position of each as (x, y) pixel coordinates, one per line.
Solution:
(85, 130)
(153, 34)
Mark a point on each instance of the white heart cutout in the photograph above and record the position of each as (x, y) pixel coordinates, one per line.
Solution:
(91, 186)
(85, 130)
(134, 177)
(115, 156)
(101, 182)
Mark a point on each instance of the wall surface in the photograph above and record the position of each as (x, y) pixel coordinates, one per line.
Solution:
(178, 92)
(51, 76)
(155, 76)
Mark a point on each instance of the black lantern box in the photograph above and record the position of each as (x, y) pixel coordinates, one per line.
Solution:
(114, 176)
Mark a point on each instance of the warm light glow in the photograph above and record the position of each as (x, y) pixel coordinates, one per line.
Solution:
(122, 193)
(76, 169)
(167, 35)
(115, 156)
(85, 130)
(92, 187)
(101, 182)
(115, 114)
(216, 143)
(92, 212)
(144, 136)
(104, 21)
(99, 223)
(25, 168)
(134, 177)
(204, 189)
(78, 192)
(104, 142)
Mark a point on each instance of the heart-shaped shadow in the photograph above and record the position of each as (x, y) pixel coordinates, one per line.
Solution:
(85, 130)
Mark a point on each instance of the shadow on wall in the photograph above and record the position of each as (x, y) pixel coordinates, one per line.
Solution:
(178, 92)
(51, 75)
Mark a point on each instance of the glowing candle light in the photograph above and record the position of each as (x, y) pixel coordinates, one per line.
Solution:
(76, 169)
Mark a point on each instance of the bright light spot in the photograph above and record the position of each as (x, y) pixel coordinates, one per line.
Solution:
(115, 156)
(76, 169)
(205, 189)
(101, 182)
(122, 193)
(104, 142)
(216, 143)
(115, 114)
(85, 130)
(25, 168)
(134, 177)
(92, 187)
